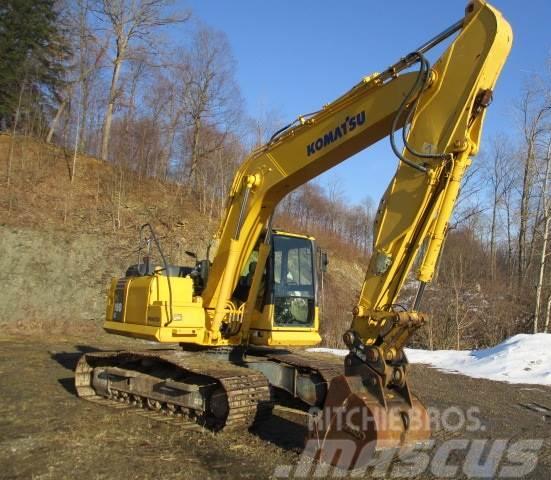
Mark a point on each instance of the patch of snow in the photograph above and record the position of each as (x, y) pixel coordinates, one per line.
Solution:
(520, 359)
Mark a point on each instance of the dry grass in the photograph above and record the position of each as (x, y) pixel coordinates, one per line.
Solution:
(101, 199)
(62, 241)
(38, 327)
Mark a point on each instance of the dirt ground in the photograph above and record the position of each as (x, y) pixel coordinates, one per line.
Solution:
(47, 432)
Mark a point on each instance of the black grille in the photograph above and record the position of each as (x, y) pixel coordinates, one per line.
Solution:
(118, 301)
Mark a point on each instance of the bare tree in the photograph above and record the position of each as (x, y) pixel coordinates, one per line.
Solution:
(496, 173)
(533, 113)
(130, 21)
(166, 101)
(88, 53)
(545, 237)
(264, 125)
(14, 131)
(335, 197)
(459, 307)
(214, 101)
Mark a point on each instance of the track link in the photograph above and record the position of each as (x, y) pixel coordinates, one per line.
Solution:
(247, 393)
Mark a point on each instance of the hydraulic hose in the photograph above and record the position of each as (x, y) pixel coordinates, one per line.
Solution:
(420, 84)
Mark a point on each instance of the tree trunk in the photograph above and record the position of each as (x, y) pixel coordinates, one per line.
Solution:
(526, 181)
(546, 225)
(85, 89)
(14, 131)
(77, 140)
(58, 115)
(117, 217)
(493, 239)
(510, 266)
(548, 314)
(111, 104)
(194, 151)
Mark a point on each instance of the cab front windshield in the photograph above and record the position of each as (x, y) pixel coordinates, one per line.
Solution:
(293, 281)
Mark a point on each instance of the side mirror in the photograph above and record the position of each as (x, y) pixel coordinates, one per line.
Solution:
(204, 266)
(324, 261)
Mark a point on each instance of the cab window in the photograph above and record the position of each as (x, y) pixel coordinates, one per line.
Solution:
(293, 284)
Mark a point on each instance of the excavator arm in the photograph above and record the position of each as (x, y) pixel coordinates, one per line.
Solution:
(442, 108)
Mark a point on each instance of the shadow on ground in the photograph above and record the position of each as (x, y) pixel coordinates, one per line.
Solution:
(68, 384)
(281, 431)
(69, 360)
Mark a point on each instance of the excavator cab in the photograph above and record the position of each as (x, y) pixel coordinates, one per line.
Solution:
(286, 311)
(293, 282)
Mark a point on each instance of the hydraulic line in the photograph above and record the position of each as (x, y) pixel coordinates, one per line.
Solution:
(421, 83)
(165, 264)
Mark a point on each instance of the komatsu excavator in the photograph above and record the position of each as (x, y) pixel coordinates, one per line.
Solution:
(232, 317)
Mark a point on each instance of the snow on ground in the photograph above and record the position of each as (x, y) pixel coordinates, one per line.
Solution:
(520, 359)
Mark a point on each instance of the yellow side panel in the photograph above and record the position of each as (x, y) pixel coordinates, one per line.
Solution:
(171, 334)
(289, 338)
(144, 306)
(137, 300)
(263, 332)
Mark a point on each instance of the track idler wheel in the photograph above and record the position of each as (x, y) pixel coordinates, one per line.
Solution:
(360, 418)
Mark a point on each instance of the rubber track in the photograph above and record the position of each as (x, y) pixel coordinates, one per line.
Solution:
(248, 391)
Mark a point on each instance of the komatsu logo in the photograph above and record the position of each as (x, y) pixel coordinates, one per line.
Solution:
(350, 123)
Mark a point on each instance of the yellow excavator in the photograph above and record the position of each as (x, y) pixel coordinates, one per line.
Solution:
(233, 315)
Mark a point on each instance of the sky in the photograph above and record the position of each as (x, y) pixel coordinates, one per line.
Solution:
(294, 56)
